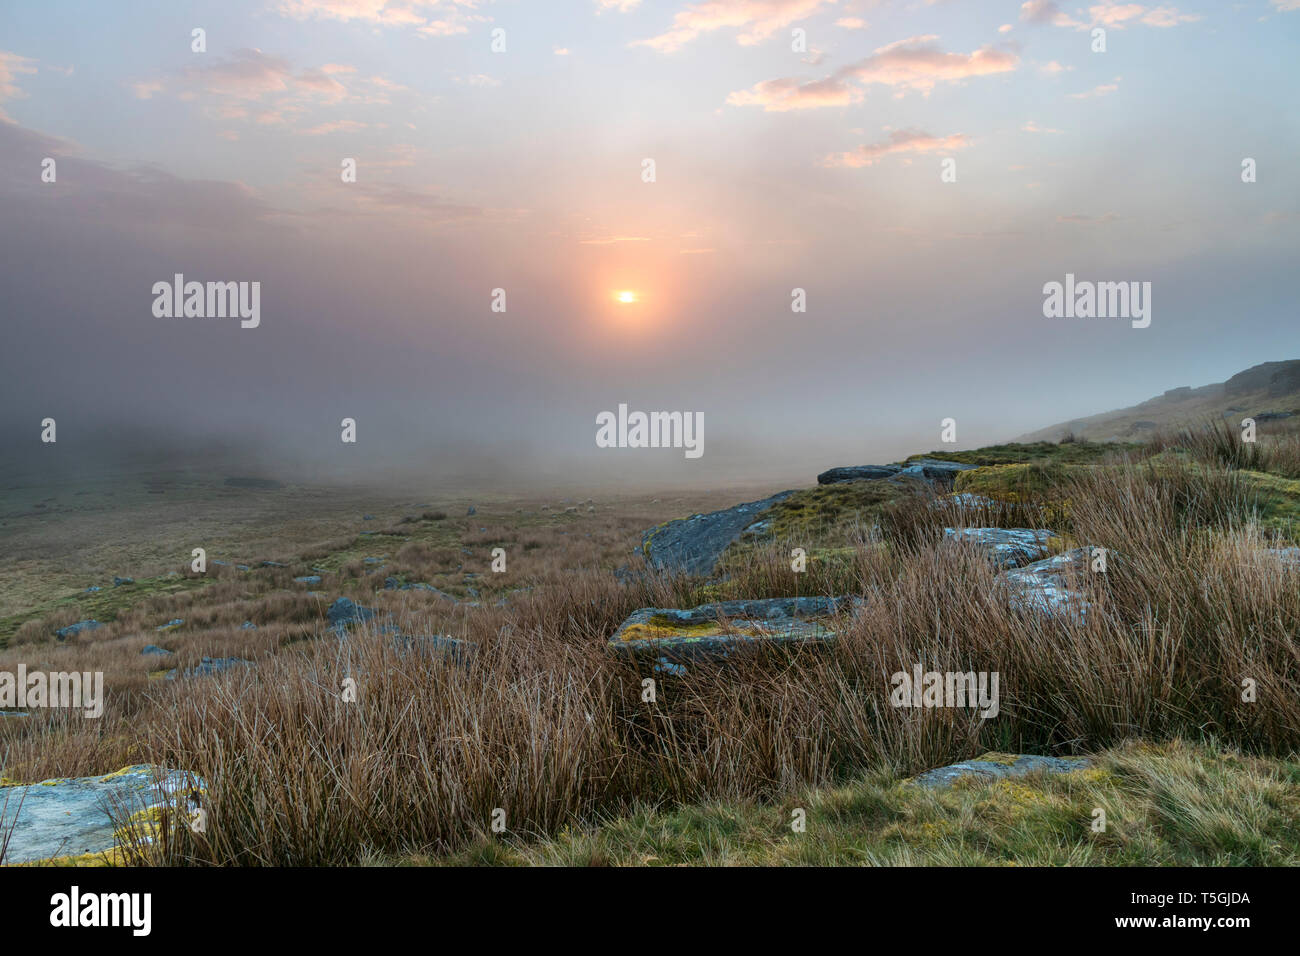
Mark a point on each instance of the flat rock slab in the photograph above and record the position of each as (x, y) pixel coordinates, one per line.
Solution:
(716, 630)
(1043, 587)
(693, 545)
(69, 816)
(990, 767)
(931, 469)
(1008, 547)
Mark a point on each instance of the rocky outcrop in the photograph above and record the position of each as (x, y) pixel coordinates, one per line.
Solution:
(857, 473)
(1008, 547)
(693, 545)
(72, 630)
(67, 817)
(1043, 587)
(717, 630)
(935, 470)
(995, 766)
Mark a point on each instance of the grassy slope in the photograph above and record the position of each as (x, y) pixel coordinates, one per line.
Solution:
(1165, 804)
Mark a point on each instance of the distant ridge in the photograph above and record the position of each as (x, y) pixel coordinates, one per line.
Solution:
(1265, 391)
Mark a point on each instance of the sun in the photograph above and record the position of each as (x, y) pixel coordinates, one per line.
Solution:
(627, 296)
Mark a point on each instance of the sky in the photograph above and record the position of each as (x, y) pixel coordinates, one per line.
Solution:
(919, 170)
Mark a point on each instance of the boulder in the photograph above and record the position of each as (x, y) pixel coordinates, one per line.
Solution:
(308, 579)
(858, 473)
(118, 582)
(154, 650)
(72, 630)
(995, 766)
(1043, 587)
(248, 626)
(934, 470)
(209, 667)
(171, 625)
(457, 651)
(693, 545)
(713, 631)
(1008, 547)
(345, 612)
(67, 817)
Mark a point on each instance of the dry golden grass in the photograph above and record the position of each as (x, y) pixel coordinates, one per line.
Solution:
(546, 726)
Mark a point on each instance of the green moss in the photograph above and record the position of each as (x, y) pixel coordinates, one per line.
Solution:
(1081, 452)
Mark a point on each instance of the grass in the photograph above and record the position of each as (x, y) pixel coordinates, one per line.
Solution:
(544, 723)
(1172, 804)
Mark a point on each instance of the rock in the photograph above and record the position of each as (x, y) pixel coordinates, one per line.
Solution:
(1009, 547)
(373, 561)
(241, 567)
(391, 583)
(472, 511)
(209, 667)
(266, 564)
(67, 817)
(155, 650)
(171, 625)
(248, 626)
(715, 630)
(857, 473)
(1043, 586)
(937, 471)
(994, 766)
(308, 579)
(421, 586)
(345, 612)
(458, 651)
(693, 545)
(118, 582)
(72, 630)
(93, 588)
(367, 517)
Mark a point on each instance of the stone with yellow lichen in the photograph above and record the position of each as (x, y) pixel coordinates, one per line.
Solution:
(70, 821)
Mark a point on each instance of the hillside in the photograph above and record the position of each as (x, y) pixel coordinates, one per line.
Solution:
(1262, 392)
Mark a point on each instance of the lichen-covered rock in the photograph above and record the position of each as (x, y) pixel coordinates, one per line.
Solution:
(717, 630)
(693, 545)
(72, 630)
(209, 666)
(936, 470)
(1044, 586)
(857, 473)
(67, 817)
(995, 766)
(155, 651)
(345, 612)
(1008, 547)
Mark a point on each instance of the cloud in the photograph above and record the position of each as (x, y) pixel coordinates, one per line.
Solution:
(916, 63)
(852, 23)
(1105, 89)
(429, 17)
(561, 51)
(622, 6)
(1108, 13)
(478, 79)
(1046, 12)
(337, 126)
(778, 96)
(1053, 67)
(900, 141)
(756, 19)
(1032, 127)
(1286, 6)
(11, 64)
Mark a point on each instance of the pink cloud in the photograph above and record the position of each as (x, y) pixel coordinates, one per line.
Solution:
(900, 141)
(756, 19)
